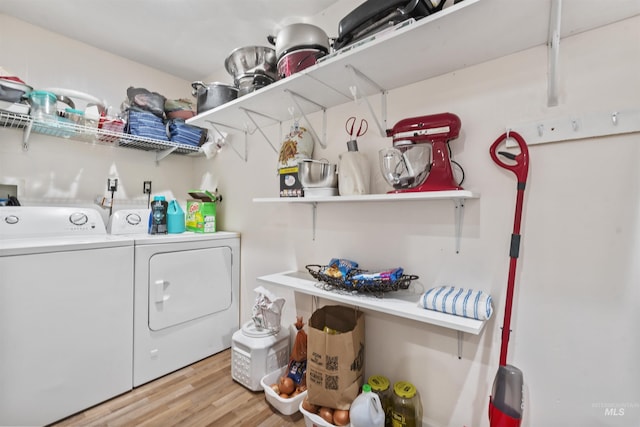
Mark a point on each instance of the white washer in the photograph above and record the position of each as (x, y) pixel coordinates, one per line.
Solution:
(66, 313)
(187, 289)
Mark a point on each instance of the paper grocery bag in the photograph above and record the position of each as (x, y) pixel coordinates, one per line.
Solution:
(335, 356)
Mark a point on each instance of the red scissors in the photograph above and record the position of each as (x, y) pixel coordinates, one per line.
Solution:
(350, 126)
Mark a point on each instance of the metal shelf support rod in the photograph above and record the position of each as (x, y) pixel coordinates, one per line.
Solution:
(358, 76)
(164, 153)
(215, 125)
(264, 135)
(554, 52)
(459, 214)
(323, 141)
(314, 215)
(26, 135)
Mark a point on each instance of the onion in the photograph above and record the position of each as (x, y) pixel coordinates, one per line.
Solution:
(308, 406)
(341, 417)
(275, 388)
(326, 414)
(286, 385)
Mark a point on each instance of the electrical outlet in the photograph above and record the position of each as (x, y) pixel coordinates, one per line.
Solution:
(112, 184)
(146, 187)
(8, 190)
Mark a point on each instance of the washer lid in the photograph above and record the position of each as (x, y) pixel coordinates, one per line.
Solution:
(251, 330)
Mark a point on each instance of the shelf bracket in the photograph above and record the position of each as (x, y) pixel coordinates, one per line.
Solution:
(26, 135)
(459, 214)
(215, 125)
(258, 128)
(164, 153)
(460, 337)
(322, 141)
(314, 216)
(356, 89)
(554, 52)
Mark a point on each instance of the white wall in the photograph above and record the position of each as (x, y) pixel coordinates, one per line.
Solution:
(575, 309)
(63, 171)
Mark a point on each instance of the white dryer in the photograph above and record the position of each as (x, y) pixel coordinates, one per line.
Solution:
(186, 297)
(66, 313)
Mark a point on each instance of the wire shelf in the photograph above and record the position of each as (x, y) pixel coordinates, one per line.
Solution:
(64, 128)
(13, 120)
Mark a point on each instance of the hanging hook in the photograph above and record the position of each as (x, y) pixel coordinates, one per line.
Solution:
(354, 93)
(614, 118)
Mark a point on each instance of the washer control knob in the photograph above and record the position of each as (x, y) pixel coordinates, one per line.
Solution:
(11, 219)
(78, 218)
(134, 219)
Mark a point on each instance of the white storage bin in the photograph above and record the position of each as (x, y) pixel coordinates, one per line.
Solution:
(315, 420)
(284, 406)
(257, 352)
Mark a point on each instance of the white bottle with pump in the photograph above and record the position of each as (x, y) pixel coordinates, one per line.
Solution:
(353, 172)
(366, 409)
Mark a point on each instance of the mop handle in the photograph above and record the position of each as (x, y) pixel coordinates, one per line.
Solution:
(520, 167)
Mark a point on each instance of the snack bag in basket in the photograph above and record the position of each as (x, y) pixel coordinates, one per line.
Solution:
(298, 360)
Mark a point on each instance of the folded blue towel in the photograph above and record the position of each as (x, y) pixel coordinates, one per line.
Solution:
(458, 301)
(149, 133)
(184, 141)
(146, 125)
(183, 133)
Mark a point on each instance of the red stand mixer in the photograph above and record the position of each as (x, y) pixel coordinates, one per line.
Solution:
(412, 165)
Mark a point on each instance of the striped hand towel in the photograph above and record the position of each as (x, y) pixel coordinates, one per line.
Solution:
(458, 301)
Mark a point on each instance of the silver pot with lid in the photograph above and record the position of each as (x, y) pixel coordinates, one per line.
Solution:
(299, 36)
(212, 95)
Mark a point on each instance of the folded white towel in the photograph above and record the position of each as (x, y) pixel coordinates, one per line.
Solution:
(458, 301)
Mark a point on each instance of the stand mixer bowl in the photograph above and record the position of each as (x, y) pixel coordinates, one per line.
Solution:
(405, 167)
(317, 174)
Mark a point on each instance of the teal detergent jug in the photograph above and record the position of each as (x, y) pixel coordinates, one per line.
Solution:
(175, 218)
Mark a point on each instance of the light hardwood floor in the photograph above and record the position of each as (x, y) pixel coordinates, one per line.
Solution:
(202, 394)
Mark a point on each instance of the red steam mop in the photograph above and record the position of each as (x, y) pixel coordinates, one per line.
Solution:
(506, 402)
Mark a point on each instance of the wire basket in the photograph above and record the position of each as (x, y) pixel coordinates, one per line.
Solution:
(371, 286)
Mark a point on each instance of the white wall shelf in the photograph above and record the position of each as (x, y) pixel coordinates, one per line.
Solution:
(435, 45)
(398, 303)
(92, 135)
(458, 198)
